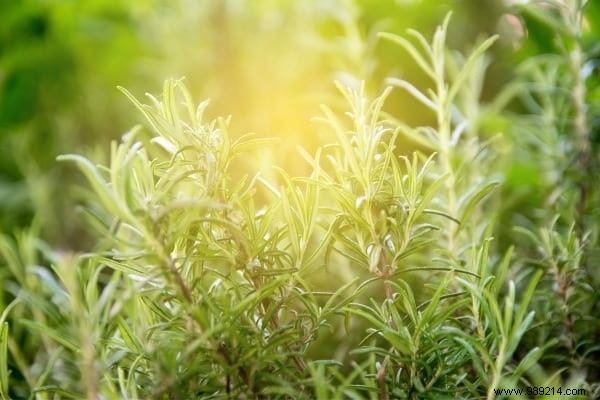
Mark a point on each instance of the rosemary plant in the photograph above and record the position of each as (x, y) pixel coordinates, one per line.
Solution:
(208, 283)
(563, 236)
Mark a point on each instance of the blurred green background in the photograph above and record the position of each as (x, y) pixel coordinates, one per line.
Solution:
(267, 63)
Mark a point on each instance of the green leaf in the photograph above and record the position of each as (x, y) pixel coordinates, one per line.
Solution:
(416, 93)
(127, 266)
(521, 323)
(129, 338)
(527, 362)
(244, 146)
(59, 337)
(62, 393)
(333, 304)
(4, 361)
(401, 342)
(474, 355)
(157, 123)
(7, 310)
(412, 50)
(472, 198)
(428, 196)
(100, 186)
(502, 271)
(467, 69)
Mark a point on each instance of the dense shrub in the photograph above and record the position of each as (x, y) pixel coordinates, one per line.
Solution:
(443, 260)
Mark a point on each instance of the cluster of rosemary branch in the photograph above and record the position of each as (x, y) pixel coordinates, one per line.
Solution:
(378, 275)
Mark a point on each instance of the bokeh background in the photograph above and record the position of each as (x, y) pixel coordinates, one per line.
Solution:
(267, 63)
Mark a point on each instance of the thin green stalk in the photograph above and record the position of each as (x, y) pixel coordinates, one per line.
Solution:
(497, 371)
(576, 60)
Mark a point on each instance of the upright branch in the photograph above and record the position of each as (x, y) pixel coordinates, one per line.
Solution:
(573, 15)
